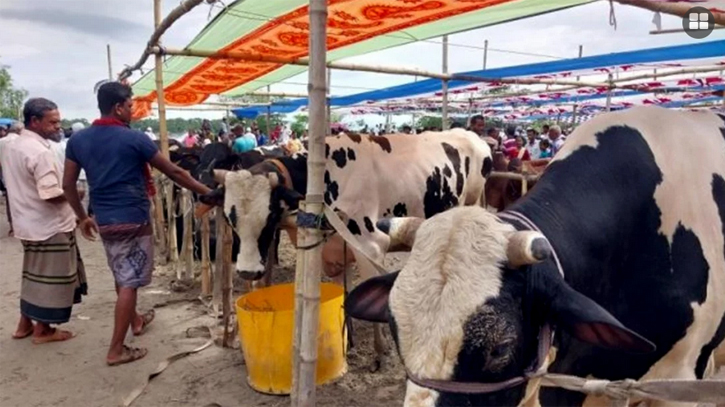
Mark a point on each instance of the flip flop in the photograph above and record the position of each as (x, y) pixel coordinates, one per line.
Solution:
(23, 335)
(58, 335)
(129, 355)
(146, 319)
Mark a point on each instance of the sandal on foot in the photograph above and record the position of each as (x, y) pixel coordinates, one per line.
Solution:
(146, 319)
(23, 335)
(129, 355)
(58, 335)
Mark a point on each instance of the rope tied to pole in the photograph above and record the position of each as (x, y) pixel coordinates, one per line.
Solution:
(309, 220)
(612, 16)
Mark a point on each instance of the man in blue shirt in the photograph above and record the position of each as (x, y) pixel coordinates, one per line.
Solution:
(115, 159)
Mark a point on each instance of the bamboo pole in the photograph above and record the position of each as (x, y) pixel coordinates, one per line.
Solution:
(682, 71)
(581, 51)
(160, 227)
(444, 68)
(299, 298)
(250, 56)
(609, 93)
(217, 277)
(513, 176)
(307, 356)
(227, 284)
(184, 270)
(172, 252)
(269, 113)
(205, 263)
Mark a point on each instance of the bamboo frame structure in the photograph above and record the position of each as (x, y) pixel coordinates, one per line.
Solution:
(250, 56)
(227, 284)
(669, 8)
(217, 277)
(305, 392)
(159, 225)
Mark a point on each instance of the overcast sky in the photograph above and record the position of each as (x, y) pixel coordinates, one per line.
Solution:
(57, 48)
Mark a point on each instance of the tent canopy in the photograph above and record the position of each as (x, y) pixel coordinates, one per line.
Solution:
(281, 28)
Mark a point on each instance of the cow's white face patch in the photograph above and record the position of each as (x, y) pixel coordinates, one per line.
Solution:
(246, 205)
(453, 270)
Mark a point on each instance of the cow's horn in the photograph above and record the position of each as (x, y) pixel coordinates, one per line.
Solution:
(220, 176)
(401, 231)
(526, 248)
(273, 179)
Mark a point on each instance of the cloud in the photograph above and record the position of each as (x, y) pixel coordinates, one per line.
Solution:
(89, 24)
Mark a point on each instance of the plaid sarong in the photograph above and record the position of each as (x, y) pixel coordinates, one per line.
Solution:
(130, 253)
(54, 278)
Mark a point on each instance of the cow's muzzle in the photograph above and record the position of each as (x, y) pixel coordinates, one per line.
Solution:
(250, 275)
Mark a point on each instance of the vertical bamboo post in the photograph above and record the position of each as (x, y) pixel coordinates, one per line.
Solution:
(299, 296)
(218, 262)
(444, 110)
(305, 395)
(205, 264)
(327, 102)
(172, 253)
(581, 51)
(159, 223)
(110, 66)
(485, 53)
(184, 269)
(227, 285)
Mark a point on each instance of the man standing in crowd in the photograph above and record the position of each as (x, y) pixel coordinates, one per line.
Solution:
(12, 133)
(478, 125)
(116, 159)
(532, 144)
(53, 279)
(557, 140)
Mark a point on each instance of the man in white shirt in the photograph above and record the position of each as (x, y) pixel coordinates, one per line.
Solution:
(150, 133)
(532, 144)
(12, 133)
(557, 140)
(53, 277)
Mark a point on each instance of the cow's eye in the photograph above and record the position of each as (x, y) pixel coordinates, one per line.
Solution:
(500, 350)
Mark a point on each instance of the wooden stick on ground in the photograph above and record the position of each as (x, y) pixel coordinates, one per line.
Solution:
(205, 263)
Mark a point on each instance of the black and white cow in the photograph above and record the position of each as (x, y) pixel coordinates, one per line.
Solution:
(633, 210)
(366, 177)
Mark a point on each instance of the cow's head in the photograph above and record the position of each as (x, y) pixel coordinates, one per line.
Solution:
(255, 202)
(470, 302)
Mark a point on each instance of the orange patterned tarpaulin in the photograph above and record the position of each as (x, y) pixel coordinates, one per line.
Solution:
(349, 21)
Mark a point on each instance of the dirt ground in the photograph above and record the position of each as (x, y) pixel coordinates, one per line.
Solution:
(74, 373)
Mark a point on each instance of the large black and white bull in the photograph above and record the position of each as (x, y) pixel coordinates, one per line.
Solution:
(367, 178)
(633, 210)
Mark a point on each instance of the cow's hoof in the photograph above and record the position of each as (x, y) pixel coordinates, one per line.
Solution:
(251, 275)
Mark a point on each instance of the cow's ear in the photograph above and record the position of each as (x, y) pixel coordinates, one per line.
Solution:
(290, 197)
(587, 321)
(369, 300)
(214, 198)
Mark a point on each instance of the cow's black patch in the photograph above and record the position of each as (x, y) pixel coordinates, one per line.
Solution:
(369, 224)
(351, 154)
(722, 131)
(487, 167)
(233, 216)
(353, 227)
(354, 137)
(467, 166)
(718, 195)
(383, 142)
(438, 194)
(455, 158)
(339, 157)
(400, 210)
(606, 232)
(447, 171)
(327, 151)
(332, 189)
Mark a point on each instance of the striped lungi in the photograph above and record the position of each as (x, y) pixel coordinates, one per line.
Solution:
(53, 278)
(130, 252)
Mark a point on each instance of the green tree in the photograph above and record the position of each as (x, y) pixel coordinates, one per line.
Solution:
(300, 124)
(11, 98)
(435, 122)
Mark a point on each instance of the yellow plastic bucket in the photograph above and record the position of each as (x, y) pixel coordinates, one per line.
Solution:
(266, 326)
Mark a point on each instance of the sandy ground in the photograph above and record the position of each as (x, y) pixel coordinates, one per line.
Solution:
(74, 373)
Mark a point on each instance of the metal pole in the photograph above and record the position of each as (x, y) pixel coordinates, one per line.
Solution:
(485, 53)
(269, 115)
(444, 112)
(581, 50)
(609, 93)
(110, 66)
